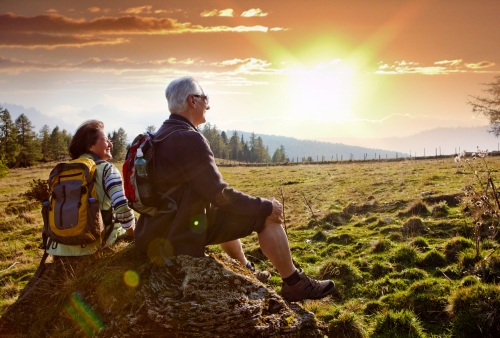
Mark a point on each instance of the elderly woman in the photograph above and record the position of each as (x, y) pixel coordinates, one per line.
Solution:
(90, 141)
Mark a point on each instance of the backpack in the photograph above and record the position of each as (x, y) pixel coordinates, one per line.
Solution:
(72, 215)
(140, 192)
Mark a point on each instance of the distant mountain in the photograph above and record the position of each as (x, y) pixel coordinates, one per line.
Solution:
(318, 150)
(36, 117)
(444, 141)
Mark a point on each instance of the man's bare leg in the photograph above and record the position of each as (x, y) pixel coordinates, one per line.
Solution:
(274, 244)
(235, 251)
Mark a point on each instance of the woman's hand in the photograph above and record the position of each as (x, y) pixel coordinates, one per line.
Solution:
(130, 231)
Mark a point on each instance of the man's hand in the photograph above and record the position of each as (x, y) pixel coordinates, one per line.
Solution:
(277, 214)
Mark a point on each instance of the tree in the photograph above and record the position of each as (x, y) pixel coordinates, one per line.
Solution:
(151, 129)
(119, 140)
(44, 136)
(261, 153)
(279, 155)
(8, 138)
(58, 144)
(28, 142)
(489, 106)
(223, 135)
(234, 146)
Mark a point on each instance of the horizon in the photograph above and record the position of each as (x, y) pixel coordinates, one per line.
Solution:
(324, 71)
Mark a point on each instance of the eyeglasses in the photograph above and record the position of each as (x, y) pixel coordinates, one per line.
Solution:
(204, 97)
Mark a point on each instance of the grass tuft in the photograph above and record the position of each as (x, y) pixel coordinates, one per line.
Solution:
(347, 325)
(396, 324)
(478, 304)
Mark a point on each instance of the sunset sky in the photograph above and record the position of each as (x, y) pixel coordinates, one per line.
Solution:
(322, 70)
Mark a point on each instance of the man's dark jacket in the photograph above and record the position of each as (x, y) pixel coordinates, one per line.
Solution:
(184, 159)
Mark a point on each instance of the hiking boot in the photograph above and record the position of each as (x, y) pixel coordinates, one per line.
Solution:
(307, 288)
(262, 276)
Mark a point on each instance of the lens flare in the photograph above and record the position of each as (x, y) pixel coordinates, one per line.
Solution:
(131, 278)
(83, 315)
(198, 224)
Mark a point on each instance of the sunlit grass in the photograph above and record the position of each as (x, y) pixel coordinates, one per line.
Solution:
(373, 227)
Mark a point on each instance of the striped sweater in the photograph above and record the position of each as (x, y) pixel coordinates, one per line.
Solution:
(113, 187)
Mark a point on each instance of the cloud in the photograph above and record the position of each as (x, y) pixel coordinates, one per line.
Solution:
(49, 41)
(449, 62)
(277, 29)
(15, 66)
(228, 12)
(439, 67)
(479, 65)
(94, 9)
(253, 12)
(52, 11)
(247, 66)
(138, 10)
(54, 30)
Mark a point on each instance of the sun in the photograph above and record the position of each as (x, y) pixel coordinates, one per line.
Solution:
(324, 93)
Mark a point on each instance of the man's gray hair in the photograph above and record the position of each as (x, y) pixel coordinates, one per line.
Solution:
(177, 92)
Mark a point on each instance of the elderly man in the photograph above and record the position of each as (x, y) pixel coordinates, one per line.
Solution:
(208, 211)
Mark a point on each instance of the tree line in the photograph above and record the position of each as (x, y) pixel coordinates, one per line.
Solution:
(22, 146)
(236, 148)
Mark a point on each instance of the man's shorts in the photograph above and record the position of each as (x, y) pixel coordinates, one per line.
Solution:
(224, 226)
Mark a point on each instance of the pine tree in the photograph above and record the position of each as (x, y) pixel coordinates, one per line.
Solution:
(279, 155)
(58, 144)
(30, 149)
(44, 136)
(234, 146)
(8, 138)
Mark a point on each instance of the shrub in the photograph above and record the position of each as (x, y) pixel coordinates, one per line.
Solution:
(347, 325)
(433, 258)
(39, 191)
(479, 305)
(405, 255)
(456, 245)
(420, 243)
(393, 324)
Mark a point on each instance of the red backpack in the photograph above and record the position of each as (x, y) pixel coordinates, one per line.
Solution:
(141, 193)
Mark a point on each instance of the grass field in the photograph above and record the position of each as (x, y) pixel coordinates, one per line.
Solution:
(392, 235)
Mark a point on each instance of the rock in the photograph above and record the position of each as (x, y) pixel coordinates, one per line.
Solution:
(123, 294)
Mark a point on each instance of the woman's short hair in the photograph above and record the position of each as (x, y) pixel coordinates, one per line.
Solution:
(177, 92)
(85, 137)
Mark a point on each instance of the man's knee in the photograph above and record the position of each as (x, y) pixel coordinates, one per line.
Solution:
(272, 224)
